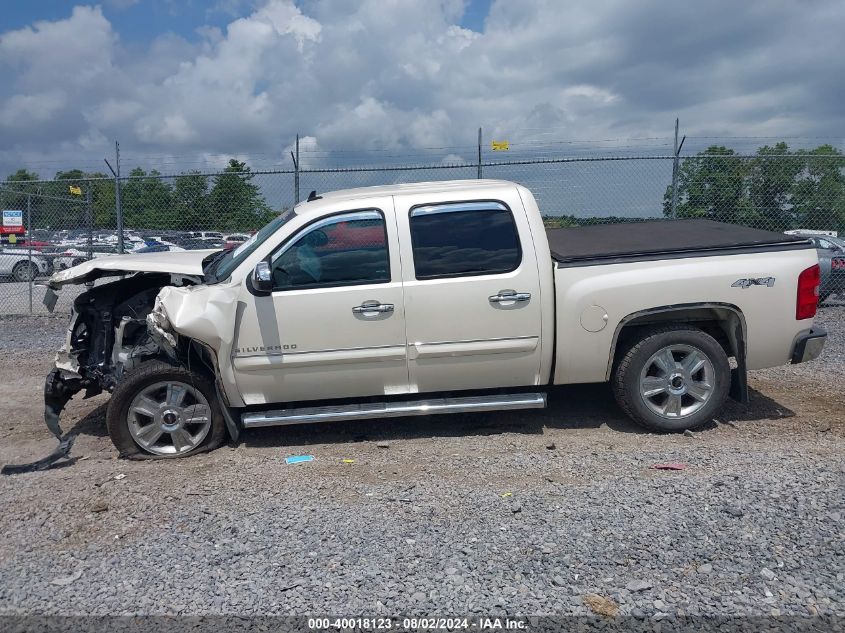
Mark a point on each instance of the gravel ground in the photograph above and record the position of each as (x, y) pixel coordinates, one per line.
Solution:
(520, 513)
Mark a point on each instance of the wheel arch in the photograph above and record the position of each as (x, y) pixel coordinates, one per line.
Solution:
(202, 357)
(723, 321)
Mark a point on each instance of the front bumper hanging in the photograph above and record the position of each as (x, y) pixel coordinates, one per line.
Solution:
(59, 388)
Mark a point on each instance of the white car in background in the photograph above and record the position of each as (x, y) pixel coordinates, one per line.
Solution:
(205, 235)
(77, 255)
(16, 263)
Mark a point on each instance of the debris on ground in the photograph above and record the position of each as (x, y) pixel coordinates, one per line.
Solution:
(669, 466)
(551, 446)
(298, 459)
(601, 605)
(99, 506)
(507, 494)
(382, 445)
(348, 461)
(734, 511)
(120, 476)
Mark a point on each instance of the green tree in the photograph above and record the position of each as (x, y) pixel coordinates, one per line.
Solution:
(147, 201)
(711, 185)
(70, 210)
(190, 198)
(235, 202)
(818, 194)
(16, 186)
(771, 180)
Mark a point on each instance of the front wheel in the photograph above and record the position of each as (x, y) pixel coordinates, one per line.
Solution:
(672, 379)
(161, 410)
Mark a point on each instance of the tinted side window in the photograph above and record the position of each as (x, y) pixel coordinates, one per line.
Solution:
(341, 250)
(462, 239)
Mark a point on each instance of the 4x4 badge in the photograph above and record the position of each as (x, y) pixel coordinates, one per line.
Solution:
(760, 281)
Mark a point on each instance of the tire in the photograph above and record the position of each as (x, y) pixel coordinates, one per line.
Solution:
(669, 397)
(161, 411)
(24, 271)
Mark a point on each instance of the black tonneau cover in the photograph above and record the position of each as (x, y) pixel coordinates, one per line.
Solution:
(662, 239)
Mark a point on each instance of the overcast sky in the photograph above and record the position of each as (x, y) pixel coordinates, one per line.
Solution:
(186, 84)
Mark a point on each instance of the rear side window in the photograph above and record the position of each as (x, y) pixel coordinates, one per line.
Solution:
(464, 238)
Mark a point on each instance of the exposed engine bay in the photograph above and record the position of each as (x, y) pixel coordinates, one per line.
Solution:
(113, 328)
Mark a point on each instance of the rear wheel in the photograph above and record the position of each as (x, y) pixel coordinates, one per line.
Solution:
(161, 410)
(24, 271)
(673, 379)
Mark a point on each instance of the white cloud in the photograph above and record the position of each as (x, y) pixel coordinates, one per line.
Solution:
(404, 75)
(27, 111)
(67, 52)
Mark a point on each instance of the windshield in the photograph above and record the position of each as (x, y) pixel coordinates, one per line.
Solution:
(222, 265)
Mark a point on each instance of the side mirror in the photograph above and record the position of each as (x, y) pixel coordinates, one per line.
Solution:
(262, 277)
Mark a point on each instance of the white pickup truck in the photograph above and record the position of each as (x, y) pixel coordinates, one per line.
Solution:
(430, 298)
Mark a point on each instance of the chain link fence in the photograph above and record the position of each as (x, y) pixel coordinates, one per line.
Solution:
(63, 222)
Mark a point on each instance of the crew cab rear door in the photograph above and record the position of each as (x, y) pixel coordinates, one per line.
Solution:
(472, 291)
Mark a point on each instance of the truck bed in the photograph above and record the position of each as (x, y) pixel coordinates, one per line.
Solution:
(662, 239)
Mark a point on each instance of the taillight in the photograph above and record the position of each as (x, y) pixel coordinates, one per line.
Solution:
(808, 293)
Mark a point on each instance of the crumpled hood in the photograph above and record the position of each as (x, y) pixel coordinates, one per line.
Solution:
(184, 263)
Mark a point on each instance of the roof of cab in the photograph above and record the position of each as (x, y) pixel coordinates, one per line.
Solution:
(399, 189)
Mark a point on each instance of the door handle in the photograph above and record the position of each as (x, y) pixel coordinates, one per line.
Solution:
(372, 307)
(509, 295)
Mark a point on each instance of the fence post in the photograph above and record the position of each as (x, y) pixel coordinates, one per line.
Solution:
(295, 159)
(676, 164)
(89, 220)
(118, 209)
(29, 245)
(479, 153)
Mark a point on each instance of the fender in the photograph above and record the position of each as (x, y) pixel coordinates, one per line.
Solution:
(736, 336)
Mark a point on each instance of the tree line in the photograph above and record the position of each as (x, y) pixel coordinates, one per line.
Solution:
(226, 202)
(777, 189)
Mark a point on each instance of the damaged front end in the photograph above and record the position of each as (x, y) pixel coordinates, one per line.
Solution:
(111, 331)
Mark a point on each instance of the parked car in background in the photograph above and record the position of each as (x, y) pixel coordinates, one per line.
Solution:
(214, 235)
(831, 252)
(158, 247)
(18, 265)
(193, 244)
(75, 256)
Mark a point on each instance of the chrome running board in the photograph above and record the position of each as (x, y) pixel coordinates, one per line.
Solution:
(433, 406)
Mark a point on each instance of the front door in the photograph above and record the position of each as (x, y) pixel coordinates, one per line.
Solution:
(334, 325)
(472, 293)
